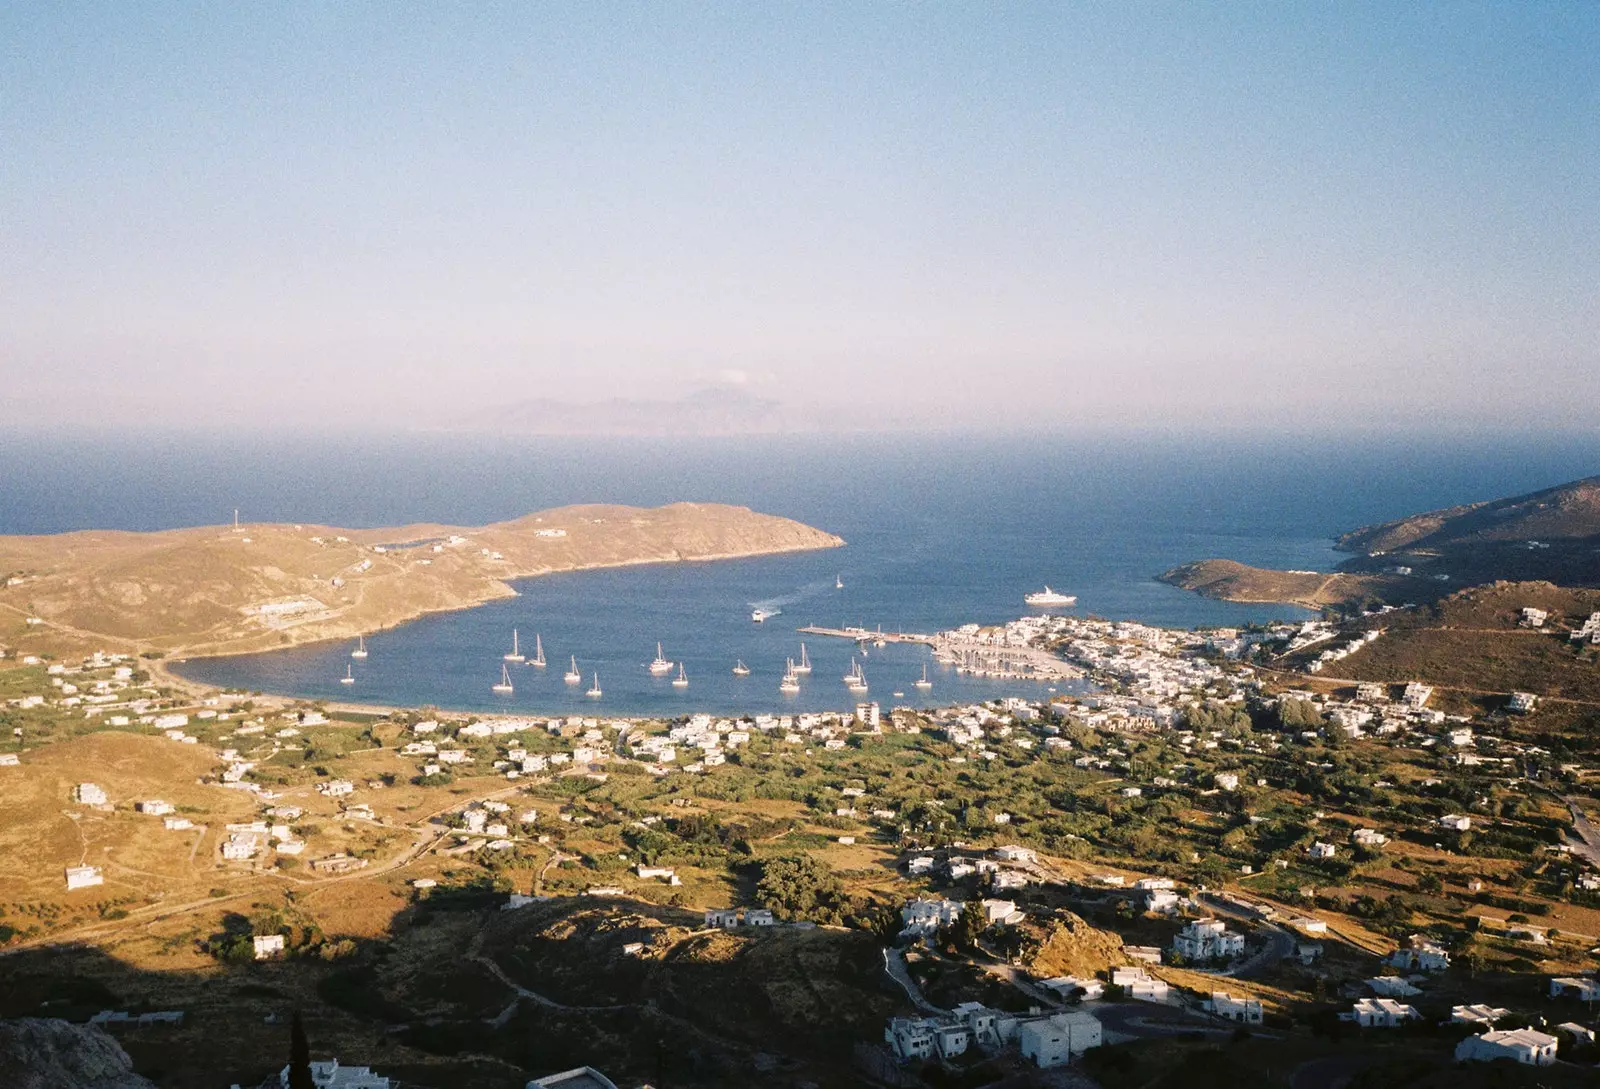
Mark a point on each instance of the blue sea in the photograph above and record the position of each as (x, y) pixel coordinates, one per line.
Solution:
(941, 531)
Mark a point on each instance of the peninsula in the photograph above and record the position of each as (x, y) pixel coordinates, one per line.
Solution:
(1549, 535)
(237, 589)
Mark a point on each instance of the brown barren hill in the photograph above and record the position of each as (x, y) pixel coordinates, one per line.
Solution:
(221, 589)
(1228, 580)
(1072, 947)
(1551, 535)
(1564, 512)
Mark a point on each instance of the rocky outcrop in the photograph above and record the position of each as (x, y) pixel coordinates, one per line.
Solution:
(36, 1053)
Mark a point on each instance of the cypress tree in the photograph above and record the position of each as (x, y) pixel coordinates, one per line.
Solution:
(299, 1056)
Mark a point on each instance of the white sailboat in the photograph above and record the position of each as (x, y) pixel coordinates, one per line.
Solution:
(538, 652)
(361, 647)
(594, 689)
(682, 679)
(790, 683)
(859, 684)
(924, 683)
(838, 582)
(348, 678)
(660, 665)
(805, 663)
(740, 669)
(504, 687)
(516, 650)
(572, 676)
(855, 671)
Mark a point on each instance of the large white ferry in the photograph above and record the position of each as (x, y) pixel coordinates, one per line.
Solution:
(1048, 596)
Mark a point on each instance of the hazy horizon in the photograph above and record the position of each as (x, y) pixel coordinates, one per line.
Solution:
(728, 218)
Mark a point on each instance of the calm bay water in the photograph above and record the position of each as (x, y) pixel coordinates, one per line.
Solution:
(940, 532)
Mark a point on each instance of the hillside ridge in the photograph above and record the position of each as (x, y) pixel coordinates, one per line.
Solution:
(222, 589)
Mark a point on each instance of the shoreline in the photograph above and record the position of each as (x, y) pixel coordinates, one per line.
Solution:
(215, 650)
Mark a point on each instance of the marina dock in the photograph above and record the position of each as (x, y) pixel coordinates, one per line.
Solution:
(970, 655)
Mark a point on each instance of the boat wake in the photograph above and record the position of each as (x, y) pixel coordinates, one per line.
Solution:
(772, 606)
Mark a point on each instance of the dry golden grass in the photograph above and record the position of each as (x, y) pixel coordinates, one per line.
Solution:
(186, 591)
(42, 831)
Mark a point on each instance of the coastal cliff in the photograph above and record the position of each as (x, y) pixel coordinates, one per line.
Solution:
(222, 590)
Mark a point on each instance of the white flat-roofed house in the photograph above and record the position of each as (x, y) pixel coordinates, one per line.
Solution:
(1380, 1013)
(9, 760)
(1522, 702)
(1422, 956)
(336, 788)
(89, 794)
(239, 847)
(330, 1075)
(1477, 1015)
(1207, 939)
(177, 824)
(1053, 1040)
(1323, 850)
(758, 917)
(1088, 989)
(1013, 853)
(1455, 822)
(910, 1038)
(83, 877)
(1161, 901)
(1368, 837)
(1392, 987)
(1002, 912)
(1140, 984)
(267, 945)
(1416, 695)
(154, 807)
(927, 916)
(1525, 1046)
(1533, 618)
(1244, 1010)
(1583, 988)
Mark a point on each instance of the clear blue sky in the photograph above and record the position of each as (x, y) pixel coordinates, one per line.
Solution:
(902, 212)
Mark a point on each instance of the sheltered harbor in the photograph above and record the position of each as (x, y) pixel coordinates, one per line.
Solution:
(975, 651)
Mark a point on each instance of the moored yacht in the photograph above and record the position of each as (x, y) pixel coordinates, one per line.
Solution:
(504, 687)
(516, 650)
(660, 665)
(682, 679)
(924, 682)
(1048, 596)
(538, 652)
(804, 665)
(361, 647)
(594, 689)
(349, 677)
(740, 669)
(572, 676)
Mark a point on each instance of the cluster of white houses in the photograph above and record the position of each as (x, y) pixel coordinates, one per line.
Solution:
(1047, 1039)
